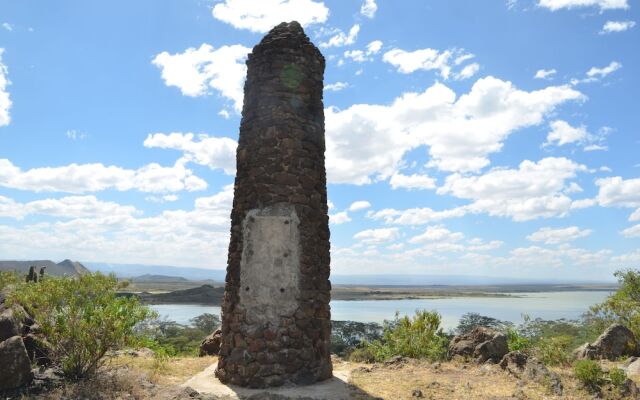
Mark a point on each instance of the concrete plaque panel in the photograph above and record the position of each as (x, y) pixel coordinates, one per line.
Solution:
(270, 265)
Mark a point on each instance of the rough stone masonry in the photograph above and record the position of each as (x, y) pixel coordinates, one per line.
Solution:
(276, 324)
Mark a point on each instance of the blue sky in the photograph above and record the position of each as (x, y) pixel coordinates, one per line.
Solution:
(490, 138)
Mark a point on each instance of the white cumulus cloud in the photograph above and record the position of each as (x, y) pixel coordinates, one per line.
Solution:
(545, 73)
(554, 5)
(261, 16)
(633, 231)
(5, 101)
(82, 178)
(369, 8)
(359, 205)
(341, 39)
(377, 236)
(560, 235)
(196, 71)
(65, 207)
(213, 152)
(413, 181)
(617, 26)
(562, 133)
(114, 233)
(374, 47)
(336, 86)
(428, 59)
(339, 218)
(437, 233)
(467, 72)
(416, 216)
(534, 190)
(367, 142)
(618, 192)
(598, 73)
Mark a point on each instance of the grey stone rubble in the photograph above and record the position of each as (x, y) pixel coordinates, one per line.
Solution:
(16, 366)
(21, 345)
(616, 341)
(529, 368)
(210, 346)
(276, 324)
(481, 344)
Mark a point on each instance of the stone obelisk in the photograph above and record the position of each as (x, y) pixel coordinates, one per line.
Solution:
(276, 324)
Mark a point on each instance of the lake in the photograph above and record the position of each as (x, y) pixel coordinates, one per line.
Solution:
(546, 305)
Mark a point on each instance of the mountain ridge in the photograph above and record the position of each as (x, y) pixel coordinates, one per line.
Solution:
(64, 267)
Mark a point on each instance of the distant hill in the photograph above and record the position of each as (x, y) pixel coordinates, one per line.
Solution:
(205, 294)
(66, 267)
(134, 270)
(218, 275)
(158, 278)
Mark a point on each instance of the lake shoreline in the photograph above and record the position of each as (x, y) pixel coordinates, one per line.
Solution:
(212, 296)
(546, 305)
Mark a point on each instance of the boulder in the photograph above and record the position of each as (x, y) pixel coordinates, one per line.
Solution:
(481, 343)
(9, 324)
(514, 362)
(616, 341)
(633, 369)
(16, 366)
(528, 368)
(38, 349)
(210, 346)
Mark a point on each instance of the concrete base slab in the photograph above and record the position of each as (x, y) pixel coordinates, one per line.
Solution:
(336, 388)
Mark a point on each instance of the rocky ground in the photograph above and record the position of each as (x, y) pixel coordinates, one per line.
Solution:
(141, 376)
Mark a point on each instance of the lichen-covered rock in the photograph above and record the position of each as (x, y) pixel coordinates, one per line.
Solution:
(633, 368)
(481, 344)
(9, 324)
(528, 368)
(15, 366)
(210, 346)
(616, 341)
(3, 297)
(38, 349)
(514, 362)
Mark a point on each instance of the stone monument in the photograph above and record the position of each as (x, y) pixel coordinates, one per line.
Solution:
(276, 324)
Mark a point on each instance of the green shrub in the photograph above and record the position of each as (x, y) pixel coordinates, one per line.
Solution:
(364, 353)
(82, 318)
(589, 373)
(517, 342)
(416, 337)
(8, 279)
(554, 350)
(617, 377)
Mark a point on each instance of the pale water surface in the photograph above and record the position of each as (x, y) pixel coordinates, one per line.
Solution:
(545, 305)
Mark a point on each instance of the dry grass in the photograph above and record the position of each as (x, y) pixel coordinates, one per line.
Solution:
(146, 378)
(454, 380)
(133, 378)
(170, 371)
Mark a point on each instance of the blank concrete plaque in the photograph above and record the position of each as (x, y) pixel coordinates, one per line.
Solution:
(270, 265)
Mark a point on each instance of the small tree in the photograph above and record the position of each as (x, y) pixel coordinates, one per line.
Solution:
(622, 307)
(347, 335)
(417, 337)
(207, 323)
(471, 320)
(82, 319)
